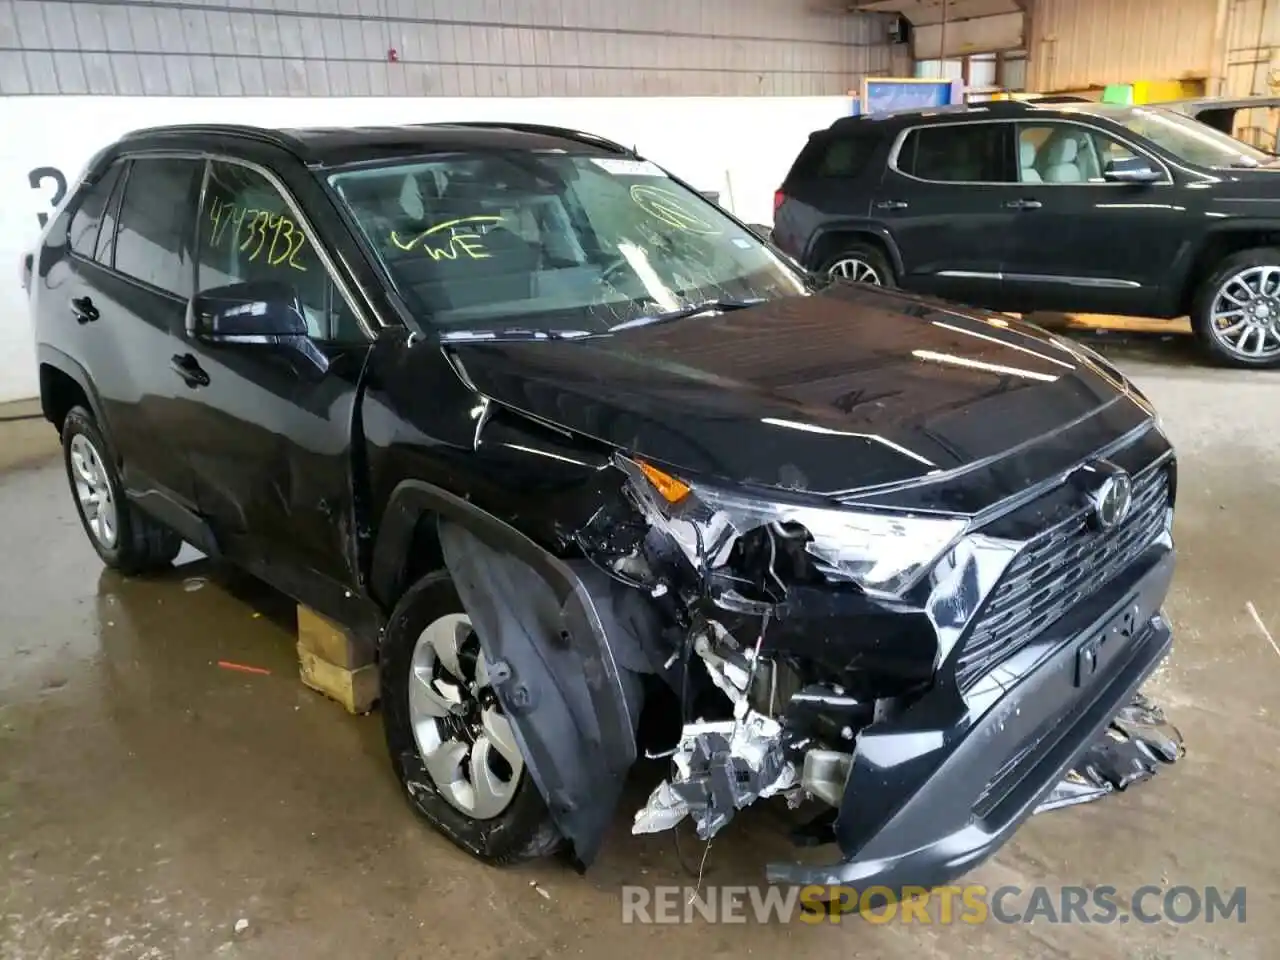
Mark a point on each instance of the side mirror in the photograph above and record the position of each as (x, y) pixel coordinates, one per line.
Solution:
(1130, 170)
(258, 312)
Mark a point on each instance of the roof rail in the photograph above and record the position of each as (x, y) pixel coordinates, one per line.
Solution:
(566, 133)
(244, 131)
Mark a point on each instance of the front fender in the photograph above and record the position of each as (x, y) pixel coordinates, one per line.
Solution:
(567, 644)
(573, 705)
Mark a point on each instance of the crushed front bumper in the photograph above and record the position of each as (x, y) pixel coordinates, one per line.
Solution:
(938, 789)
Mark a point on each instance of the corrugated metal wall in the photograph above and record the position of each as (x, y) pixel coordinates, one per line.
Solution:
(1253, 48)
(1078, 44)
(444, 47)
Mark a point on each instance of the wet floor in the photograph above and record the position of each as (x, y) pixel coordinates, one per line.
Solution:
(150, 799)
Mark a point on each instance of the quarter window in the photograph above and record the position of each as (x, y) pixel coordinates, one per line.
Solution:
(1065, 153)
(85, 224)
(153, 240)
(249, 233)
(956, 152)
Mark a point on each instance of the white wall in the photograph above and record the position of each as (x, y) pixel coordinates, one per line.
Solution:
(740, 146)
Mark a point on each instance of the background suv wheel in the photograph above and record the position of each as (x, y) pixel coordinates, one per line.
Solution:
(1236, 311)
(124, 537)
(860, 263)
(450, 742)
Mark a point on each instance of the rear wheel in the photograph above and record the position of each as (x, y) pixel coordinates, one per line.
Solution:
(1236, 311)
(451, 744)
(124, 537)
(860, 263)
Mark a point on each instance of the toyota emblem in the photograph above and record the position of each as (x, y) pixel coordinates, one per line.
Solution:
(1112, 499)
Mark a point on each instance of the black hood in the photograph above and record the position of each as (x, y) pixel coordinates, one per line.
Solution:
(849, 388)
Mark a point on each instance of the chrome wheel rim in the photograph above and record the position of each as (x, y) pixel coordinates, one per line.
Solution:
(1245, 315)
(93, 490)
(855, 270)
(466, 743)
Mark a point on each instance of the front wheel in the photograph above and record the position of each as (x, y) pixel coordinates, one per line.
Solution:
(1236, 310)
(451, 743)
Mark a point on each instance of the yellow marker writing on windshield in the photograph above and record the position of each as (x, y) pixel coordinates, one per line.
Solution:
(467, 243)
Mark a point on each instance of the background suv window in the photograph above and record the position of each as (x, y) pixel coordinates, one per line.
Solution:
(957, 152)
(153, 239)
(831, 156)
(1065, 153)
(87, 220)
(249, 233)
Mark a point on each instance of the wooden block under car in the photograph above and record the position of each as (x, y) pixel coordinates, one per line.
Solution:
(356, 690)
(336, 663)
(331, 642)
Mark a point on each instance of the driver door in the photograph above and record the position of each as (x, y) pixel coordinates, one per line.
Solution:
(269, 426)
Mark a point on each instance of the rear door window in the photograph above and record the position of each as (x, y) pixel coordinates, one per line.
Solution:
(154, 238)
(87, 220)
(958, 153)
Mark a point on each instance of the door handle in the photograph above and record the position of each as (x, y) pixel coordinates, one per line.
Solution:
(188, 368)
(83, 310)
(1023, 204)
(892, 205)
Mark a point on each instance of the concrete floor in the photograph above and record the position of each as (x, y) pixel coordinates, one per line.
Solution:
(149, 799)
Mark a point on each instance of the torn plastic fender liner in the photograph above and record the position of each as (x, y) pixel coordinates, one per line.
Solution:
(574, 707)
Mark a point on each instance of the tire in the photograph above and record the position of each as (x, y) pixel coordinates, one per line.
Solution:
(1246, 269)
(522, 830)
(855, 257)
(131, 542)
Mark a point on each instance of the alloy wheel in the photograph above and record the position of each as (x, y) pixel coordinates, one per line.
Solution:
(466, 743)
(852, 268)
(93, 491)
(1245, 315)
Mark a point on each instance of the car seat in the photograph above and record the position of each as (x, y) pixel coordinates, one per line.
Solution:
(1063, 162)
(1027, 162)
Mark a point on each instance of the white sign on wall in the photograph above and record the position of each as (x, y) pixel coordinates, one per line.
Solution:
(740, 147)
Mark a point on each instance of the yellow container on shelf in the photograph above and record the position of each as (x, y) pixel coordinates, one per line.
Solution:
(1160, 91)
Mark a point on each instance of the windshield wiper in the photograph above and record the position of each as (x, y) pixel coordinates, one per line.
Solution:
(690, 310)
(512, 333)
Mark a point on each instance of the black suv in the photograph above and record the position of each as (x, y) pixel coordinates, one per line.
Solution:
(1080, 207)
(567, 442)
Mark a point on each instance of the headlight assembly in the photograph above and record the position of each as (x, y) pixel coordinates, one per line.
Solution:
(882, 553)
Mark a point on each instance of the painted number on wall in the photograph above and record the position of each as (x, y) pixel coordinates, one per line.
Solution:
(40, 178)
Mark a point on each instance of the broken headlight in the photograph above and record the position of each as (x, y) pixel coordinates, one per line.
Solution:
(882, 553)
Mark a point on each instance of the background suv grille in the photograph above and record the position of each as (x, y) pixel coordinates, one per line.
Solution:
(1057, 570)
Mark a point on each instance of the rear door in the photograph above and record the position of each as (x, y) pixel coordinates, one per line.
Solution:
(129, 301)
(943, 200)
(1083, 244)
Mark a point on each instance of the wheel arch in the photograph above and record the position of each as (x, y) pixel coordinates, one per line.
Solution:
(828, 241)
(566, 661)
(65, 383)
(1216, 246)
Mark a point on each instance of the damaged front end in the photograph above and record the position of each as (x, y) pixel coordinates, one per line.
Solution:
(825, 653)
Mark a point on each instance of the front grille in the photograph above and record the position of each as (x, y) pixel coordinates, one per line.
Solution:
(1057, 570)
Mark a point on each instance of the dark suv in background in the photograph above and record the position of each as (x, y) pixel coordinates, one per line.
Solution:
(1079, 207)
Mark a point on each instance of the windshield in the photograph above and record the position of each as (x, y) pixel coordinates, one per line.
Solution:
(1186, 139)
(555, 243)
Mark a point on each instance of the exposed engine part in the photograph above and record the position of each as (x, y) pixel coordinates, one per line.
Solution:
(776, 683)
(1134, 747)
(729, 667)
(721, 767)
(825, 774)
